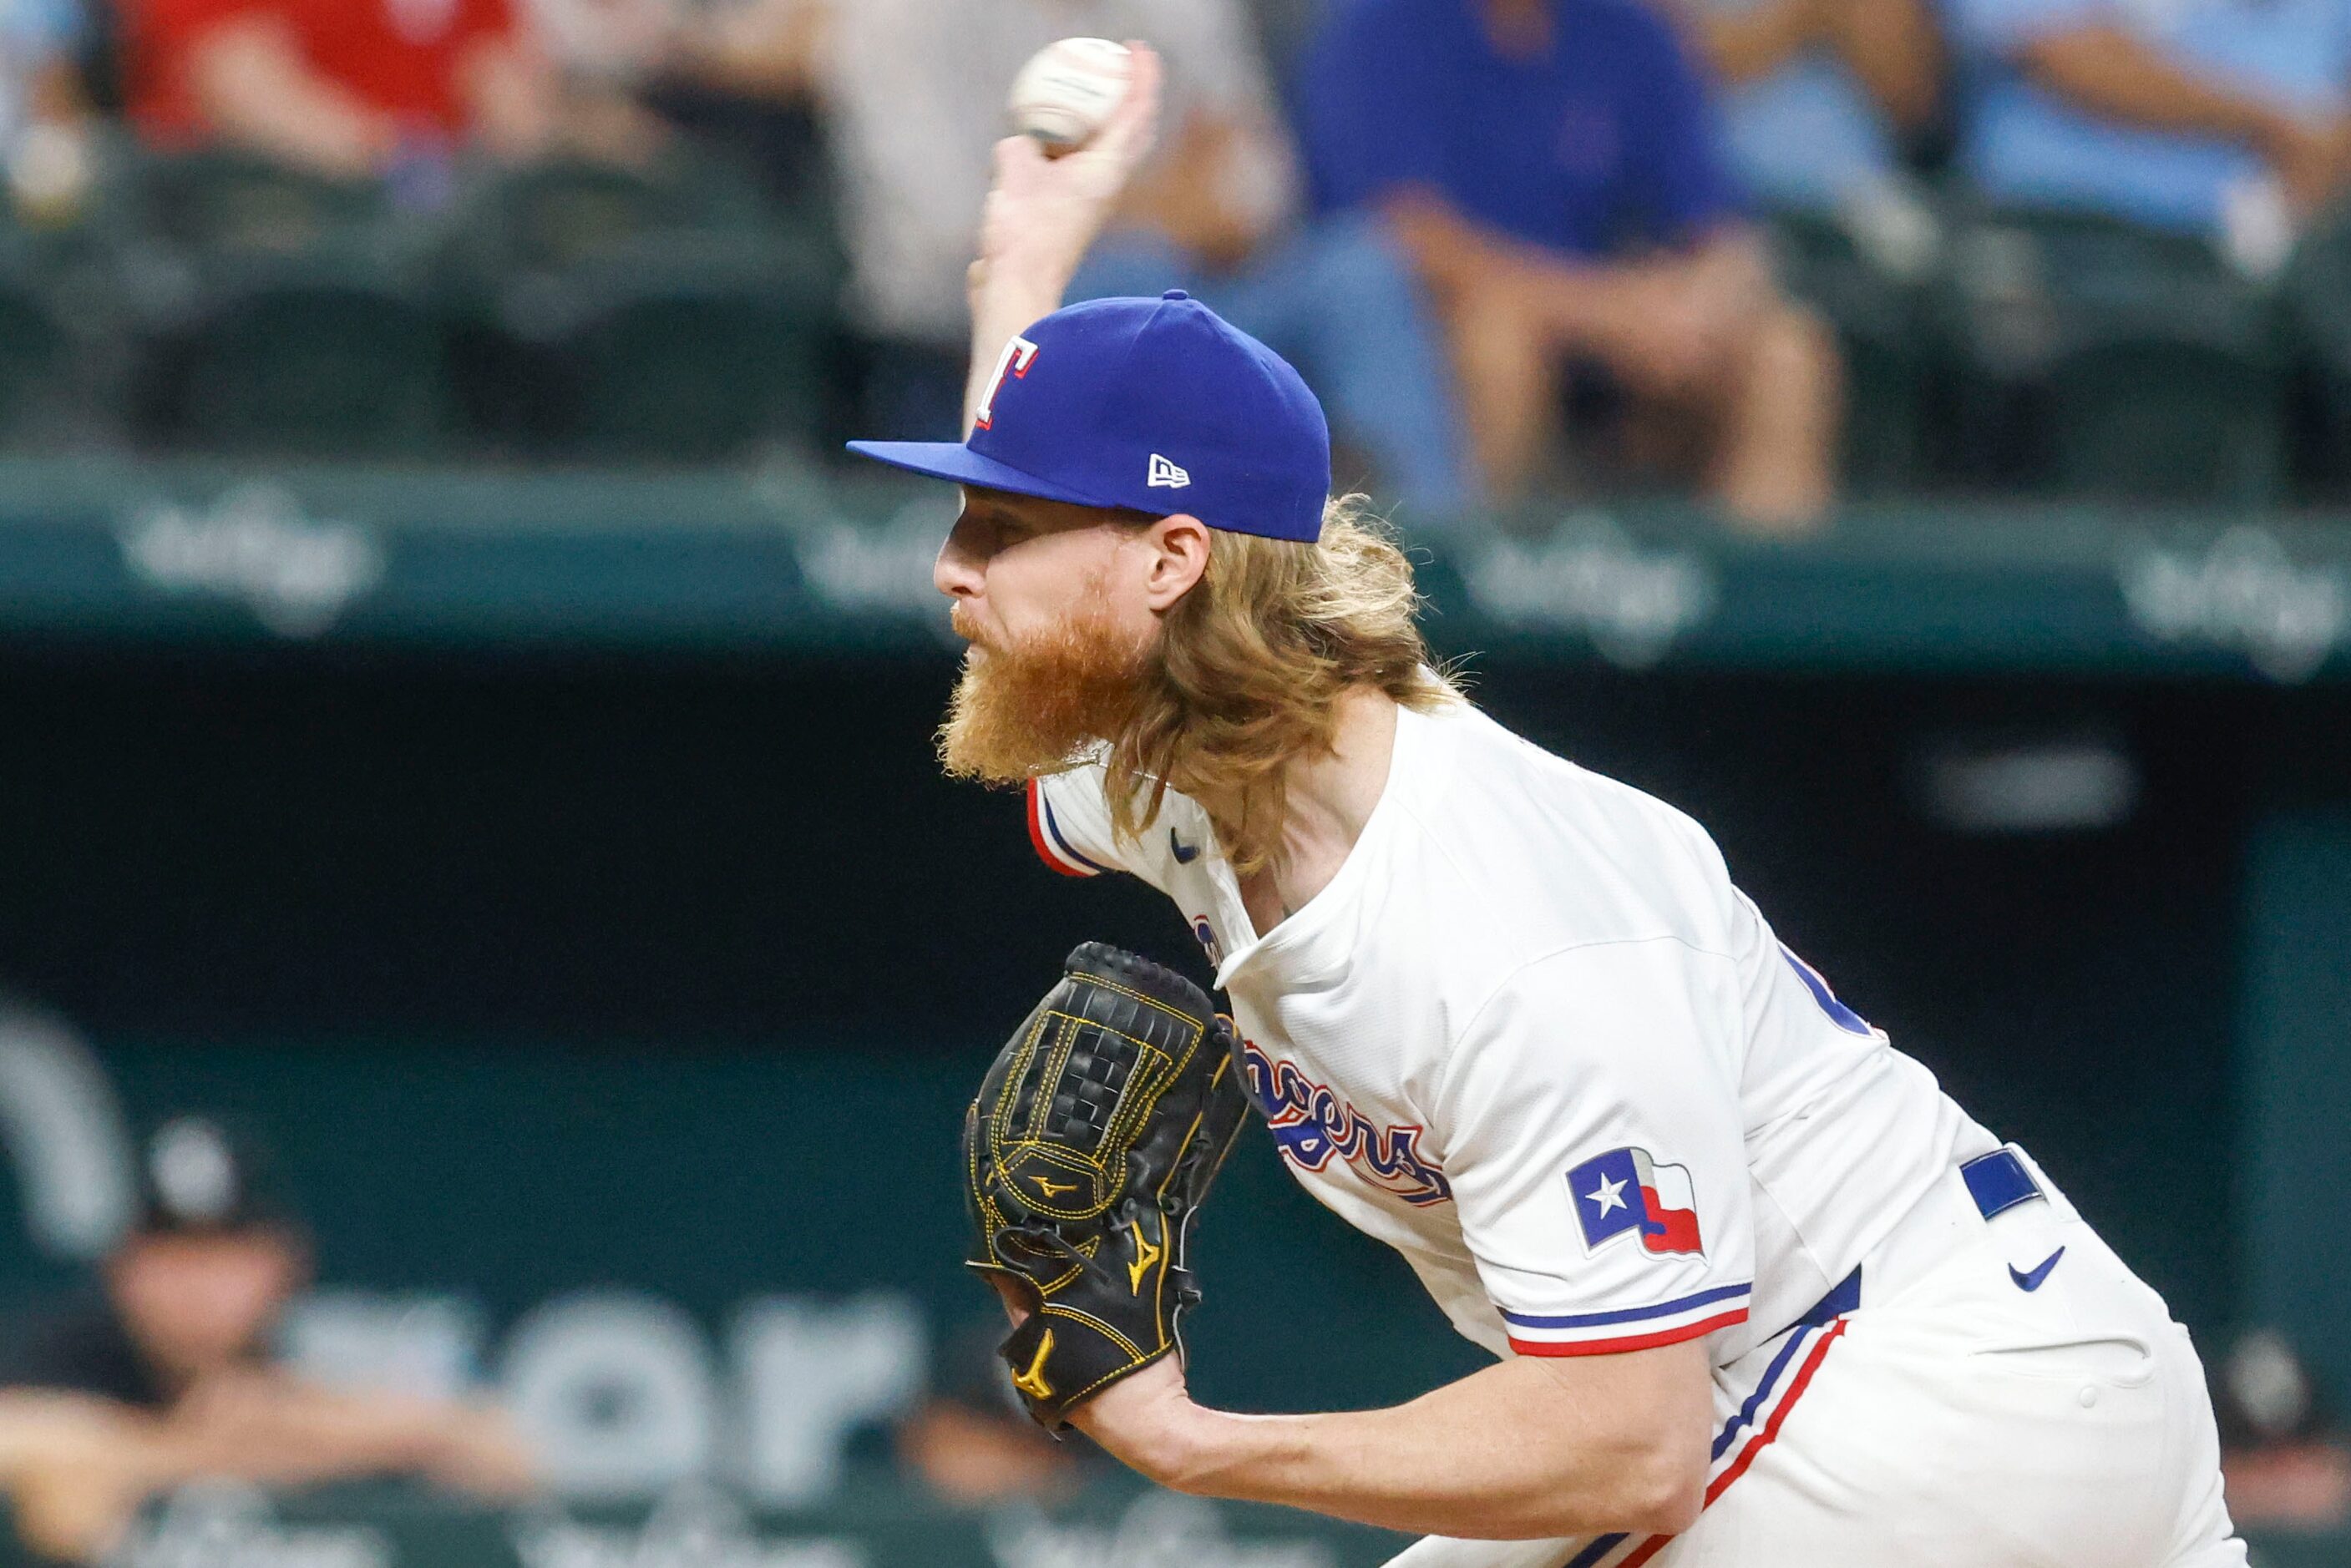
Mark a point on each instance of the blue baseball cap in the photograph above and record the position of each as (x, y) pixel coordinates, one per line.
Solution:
(1151, 405)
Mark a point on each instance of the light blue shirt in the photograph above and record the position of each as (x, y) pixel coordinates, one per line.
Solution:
(32, 32)
(46, 26)
(1806, 136)
(2024, 146)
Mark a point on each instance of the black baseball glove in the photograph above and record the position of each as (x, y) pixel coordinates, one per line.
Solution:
(1093, 1140)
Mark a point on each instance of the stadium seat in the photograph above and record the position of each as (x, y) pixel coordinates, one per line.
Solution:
(32, 338)
(667, 315)
(1876, 312)
(2107, 360)
(279, 312)
(2318, 299)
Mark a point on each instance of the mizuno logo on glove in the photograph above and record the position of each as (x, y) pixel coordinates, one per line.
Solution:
(1146, 1255)
(1032, 1382)
(1087, 1152)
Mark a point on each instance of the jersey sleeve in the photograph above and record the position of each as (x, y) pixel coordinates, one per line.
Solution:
(1590, 1124)
(1069, 824)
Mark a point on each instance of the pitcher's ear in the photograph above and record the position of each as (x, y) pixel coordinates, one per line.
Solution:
(1180, 546)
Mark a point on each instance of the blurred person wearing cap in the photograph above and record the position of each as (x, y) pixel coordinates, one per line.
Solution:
(1756, 1289)
(2286, 1462)
(971, 1443)
(163, 1374)
(1556, 171)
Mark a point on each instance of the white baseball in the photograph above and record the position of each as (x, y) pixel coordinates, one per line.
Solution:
(1066, 91)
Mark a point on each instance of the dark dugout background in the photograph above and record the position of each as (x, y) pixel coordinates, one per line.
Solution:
(674, 972)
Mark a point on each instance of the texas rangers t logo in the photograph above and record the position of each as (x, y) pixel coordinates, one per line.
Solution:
(1019, 355)
(1625, 1191)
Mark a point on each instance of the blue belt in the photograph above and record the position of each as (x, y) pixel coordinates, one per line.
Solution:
(1998, 1182)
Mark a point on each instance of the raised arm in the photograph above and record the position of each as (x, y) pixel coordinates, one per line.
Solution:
(257, 91)
(1043, 214)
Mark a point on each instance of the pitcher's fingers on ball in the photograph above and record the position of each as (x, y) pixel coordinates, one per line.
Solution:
(1066, 92)
(1133, 125)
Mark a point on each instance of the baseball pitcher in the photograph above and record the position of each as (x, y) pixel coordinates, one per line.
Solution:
(1759, 1292)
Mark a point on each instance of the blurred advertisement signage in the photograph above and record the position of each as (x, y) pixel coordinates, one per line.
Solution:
(255, 545)
(1590, 577)
(2245, 593)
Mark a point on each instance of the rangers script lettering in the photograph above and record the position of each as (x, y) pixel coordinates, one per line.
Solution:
(1311, 1124)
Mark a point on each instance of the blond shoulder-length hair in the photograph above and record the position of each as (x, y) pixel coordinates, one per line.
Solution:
(1247, 671)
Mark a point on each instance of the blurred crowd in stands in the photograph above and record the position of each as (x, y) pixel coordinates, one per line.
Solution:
(167, 1367)
(1762, 250)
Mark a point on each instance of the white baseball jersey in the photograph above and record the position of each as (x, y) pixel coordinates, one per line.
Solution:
(1533, 1037)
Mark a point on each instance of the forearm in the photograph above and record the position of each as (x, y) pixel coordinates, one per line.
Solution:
(1896, 50)
(2110, 72)
(256, 91)
(74, 1469)
(1458, 260)
(511, 98)
(1743, 46)
(1514, 1452)
(331, 1433)
(1217, 192)
(477, 1449)
(1004, 301)
(1452, 255)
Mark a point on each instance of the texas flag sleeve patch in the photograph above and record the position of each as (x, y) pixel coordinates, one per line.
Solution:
(1627, 1192)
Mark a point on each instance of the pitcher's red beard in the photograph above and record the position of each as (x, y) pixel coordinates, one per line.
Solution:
(1022, 711)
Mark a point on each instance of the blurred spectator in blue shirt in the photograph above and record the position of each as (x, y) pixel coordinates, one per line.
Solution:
(2226, 117)
(1555, 171)
(1819, 96)
(912, 94)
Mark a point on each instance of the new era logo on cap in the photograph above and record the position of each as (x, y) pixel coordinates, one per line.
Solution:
(1084, 405)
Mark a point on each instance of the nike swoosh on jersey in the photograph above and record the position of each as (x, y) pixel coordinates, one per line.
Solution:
(1184, 853)
(2032, 1281)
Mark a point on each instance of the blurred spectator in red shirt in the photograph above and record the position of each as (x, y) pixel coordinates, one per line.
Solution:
(346, 88)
